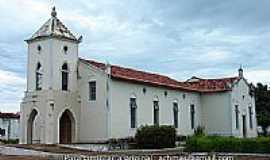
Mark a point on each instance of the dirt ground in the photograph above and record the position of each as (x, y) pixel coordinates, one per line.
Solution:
(63, 150)
(42, 158)
(2, 157)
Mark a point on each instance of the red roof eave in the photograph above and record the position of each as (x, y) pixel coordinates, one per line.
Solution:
(9, 115)
(156, 84)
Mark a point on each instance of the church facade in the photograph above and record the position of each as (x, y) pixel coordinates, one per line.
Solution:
(74, 100)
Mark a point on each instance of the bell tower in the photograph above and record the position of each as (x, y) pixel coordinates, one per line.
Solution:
(52, 57)
(51, 99)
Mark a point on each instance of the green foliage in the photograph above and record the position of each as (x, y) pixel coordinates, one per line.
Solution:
(11, 141)
(155, 137)
(262, 97)
(199, 131)
(228, 144)
(264, 121)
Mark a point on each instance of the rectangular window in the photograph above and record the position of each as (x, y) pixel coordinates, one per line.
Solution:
(175, 114)
(156, 112)
(2, 132)
(64, 81)
(250, 117)
(192, 116)
(236, 117)
(133, 107)
(92, 90)
(38, 81)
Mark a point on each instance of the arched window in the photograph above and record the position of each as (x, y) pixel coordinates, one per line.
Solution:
(65, 77)
(192, 115)
(236, 116)
(133, 108)
(175, 114)
(39, 77)
(250, 117)
(156, 111)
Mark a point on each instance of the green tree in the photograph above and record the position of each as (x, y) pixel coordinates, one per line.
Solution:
(262, 98)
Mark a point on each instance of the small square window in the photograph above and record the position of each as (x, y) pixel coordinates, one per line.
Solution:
(184, 96)
(2, 132)
(65, 48)
(39, 48)
(144, 90)
(165, 93)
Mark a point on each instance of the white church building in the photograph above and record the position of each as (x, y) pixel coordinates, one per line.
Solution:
(74, 100)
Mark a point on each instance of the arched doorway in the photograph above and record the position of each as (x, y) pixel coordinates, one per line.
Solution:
(66, 128)
(30, 126)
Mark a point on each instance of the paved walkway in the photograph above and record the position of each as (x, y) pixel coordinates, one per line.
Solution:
(21, 152)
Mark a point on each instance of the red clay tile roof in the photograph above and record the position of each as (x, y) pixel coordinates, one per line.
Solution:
(212, 85)
(9, 115)
(128, 74)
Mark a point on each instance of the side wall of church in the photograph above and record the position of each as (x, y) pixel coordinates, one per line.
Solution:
(121, 92)
(94, 118)
(242, 98)
(216, 113)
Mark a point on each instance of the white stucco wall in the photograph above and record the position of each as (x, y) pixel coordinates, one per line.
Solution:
(241, 89)
(94, 117)
(11, 127)
(121, 93)
(216, 113)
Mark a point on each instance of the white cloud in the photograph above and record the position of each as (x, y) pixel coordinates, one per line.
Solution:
(10, 78)
(10, 107)
(11, 90)
(214, 56)
(256, 76)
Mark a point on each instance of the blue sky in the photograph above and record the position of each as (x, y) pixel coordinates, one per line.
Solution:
(205, 38)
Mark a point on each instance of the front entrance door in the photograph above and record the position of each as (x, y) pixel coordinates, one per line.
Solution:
(65, 128)
(244, 127)
(30, 127)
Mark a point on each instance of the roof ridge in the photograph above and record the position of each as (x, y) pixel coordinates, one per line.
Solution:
(222, 78)
(134, 69)
(156, 79)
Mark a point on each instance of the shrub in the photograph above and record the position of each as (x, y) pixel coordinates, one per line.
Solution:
(10, 141)
(155, 137)
(228, 144)
(199, 131)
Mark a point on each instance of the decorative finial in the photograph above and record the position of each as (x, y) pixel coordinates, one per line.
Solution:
(240, 72)
(54, 13)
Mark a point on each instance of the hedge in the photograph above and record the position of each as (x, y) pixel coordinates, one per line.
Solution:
(11, 141)
(155, 137)
(228, 144)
